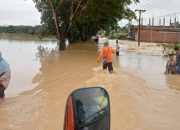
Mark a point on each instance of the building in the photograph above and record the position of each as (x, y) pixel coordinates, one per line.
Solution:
(157, 34)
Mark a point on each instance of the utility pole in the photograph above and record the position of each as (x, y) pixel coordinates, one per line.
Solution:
(140, 12)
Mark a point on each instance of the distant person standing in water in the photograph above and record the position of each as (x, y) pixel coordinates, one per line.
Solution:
(117, 48)
(106, 56)
(5, 75)
(177, 60)
(171, 65)
(97, 38)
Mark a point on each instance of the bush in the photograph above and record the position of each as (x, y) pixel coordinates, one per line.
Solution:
(177, 45)
(172, 46)
(111, 37)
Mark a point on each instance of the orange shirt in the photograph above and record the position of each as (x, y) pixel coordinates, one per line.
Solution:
(106, 51)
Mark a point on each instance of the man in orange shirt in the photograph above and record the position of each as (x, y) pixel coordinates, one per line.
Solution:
(106, 55)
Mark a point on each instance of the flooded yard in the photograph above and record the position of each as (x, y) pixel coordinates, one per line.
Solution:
(141, 96)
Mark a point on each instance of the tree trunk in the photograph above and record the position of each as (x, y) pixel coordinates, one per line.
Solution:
(62, 44)
(55, 18)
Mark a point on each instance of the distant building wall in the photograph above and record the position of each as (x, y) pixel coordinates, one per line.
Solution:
(157, 35)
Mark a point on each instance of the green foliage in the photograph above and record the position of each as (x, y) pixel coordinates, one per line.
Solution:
(122, 37)
(79, 20)
(37, 30)
(177, 45)
(172, 46)
(124, 30)
(115, 33)
(111, 37)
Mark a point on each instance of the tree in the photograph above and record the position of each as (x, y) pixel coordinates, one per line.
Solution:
(81, 18)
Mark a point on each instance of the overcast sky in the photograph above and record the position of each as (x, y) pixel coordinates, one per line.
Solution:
(157, 8)
(18, 12)
(23, 12)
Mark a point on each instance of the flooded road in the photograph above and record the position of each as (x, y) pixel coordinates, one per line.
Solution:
(22, 57)
(150, 68)
(142, 97)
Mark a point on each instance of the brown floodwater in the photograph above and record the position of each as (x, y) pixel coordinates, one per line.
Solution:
(141, 96)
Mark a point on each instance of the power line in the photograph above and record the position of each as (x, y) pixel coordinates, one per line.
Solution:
(151, 4)
(154, 3)
(147, 3)
(158, 5)
(162, 20)
(167, 15)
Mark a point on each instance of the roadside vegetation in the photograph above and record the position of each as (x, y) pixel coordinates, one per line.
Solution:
(118, 32)
(79, 20)
(169, 48)
(172, 45)
(33, 30)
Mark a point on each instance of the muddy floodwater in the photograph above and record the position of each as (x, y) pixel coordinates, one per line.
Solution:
(141, 96)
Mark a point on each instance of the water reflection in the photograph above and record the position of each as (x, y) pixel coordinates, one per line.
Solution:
(21, 56)
(27, 57)
(147, 66)
(173, 81)
(150, 68)
(56, 74)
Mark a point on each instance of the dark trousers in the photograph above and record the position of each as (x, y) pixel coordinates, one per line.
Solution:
(117, 53)
(109, 66)
(2, 91)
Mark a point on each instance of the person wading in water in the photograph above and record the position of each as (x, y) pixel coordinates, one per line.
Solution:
(177, 60)
(106, 56)
(5, 75)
